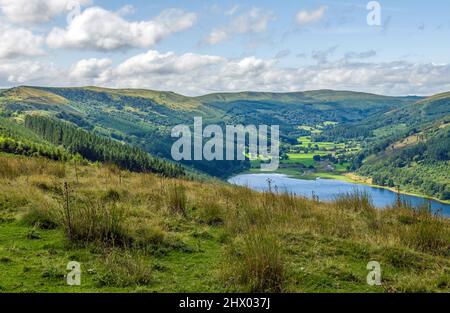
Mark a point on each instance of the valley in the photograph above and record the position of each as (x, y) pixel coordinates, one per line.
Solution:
(87, 175)
(324, 133)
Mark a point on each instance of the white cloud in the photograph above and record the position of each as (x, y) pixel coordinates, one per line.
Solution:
(307, 17)
(37, 11)
(18, 42)
(29, 72)
(195, 74)
(92, 70)
(253, 21)
(99, 29)
(165, 64)
(217, 36)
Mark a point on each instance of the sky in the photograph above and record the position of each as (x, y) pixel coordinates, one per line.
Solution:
(195, 47)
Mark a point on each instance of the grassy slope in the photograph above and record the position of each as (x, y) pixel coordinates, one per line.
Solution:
(32, 95)
(165, 98)
(221, 242)
(318, 95)
(322, 99)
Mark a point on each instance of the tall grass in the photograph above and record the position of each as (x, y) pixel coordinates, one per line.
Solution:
(356, 201)
(261, 233)
(211, 211)
(14, 167)
(96, 221)
(124, 269)
(43, 217)
(428, 234)
(177, 198)
(257, 262)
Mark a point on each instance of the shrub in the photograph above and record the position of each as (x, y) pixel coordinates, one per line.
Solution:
(145, 236)
(53, 273)
(111, 195)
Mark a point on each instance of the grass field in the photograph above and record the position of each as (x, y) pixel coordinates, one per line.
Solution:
(302, 158)
(303, 153)
(144, 233)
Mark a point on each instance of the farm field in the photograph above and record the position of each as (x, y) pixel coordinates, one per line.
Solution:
(311, 158)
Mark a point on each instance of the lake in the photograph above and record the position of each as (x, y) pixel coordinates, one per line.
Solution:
(328, 189)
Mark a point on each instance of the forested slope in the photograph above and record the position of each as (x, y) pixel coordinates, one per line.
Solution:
(144, 118)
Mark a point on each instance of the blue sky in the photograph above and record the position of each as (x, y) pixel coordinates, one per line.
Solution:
(195, 47)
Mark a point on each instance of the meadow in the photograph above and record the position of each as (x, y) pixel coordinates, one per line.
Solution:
(311, 158)
(146, 233)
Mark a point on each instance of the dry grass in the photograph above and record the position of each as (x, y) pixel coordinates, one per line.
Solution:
(14, 167)
(138, 211)
(256, 262)
(176, 198)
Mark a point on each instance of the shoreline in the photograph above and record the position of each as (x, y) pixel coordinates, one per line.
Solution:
(367, 181)
(346, 177)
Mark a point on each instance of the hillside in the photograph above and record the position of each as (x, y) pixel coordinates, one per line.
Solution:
(41, 136)
(418, 163)
(32, 96)
(136, 232)
(407, 147)
(144, 118)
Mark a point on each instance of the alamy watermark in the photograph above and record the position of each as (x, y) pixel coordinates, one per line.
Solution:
(73, 278)
(374, 16)
(238, 141)
(374, 276)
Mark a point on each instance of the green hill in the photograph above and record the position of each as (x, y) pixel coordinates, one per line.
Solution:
(144, 118)
(409, 147)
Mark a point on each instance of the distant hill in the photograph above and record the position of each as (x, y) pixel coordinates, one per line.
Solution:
(144, 118)
(410, 147)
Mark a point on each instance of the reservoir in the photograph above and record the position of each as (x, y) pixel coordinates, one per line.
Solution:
(329, 189)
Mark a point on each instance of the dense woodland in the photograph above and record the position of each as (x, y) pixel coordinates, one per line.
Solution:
(407, 147)
(95, 148)
(17, 140)
(424, 166)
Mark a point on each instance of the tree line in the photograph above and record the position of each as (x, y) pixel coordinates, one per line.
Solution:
(96, 148)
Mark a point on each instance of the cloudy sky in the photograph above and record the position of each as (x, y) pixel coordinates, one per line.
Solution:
(196, 47)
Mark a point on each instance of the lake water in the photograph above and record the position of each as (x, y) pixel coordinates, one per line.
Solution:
(328, 189)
